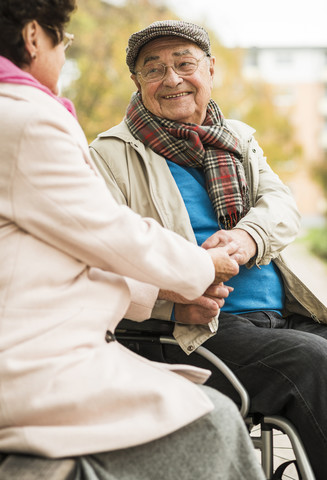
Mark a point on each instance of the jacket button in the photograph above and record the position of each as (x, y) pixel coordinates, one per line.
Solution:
(110, 337)
(253, 150)
(190, 348)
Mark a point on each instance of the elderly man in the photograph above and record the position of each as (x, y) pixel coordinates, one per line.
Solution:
(176, 159)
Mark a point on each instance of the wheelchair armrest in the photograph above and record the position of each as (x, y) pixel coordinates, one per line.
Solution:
(160, 331)
(151, 326)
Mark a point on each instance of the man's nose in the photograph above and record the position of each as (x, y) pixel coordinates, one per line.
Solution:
(171, 78)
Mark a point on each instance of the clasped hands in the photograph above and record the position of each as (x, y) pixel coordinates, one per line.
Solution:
(228, 250)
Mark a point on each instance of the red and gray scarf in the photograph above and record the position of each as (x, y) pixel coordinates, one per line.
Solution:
(211, 146)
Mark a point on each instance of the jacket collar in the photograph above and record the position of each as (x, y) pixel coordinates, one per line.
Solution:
(243, 131)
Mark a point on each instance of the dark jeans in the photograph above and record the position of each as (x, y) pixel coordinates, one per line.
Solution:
(283, 365)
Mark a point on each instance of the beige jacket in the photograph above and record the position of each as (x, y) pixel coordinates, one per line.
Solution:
(141, 179)
(65, 246)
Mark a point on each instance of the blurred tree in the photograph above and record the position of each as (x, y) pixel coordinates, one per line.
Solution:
(103, 89)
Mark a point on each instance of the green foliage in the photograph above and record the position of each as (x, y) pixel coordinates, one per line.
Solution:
(320, 174)
(317, 241)
(103, 89)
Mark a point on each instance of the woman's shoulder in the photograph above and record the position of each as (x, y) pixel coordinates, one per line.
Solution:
(25, 104)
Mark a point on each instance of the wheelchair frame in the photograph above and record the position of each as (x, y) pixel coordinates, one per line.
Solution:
(264, 442)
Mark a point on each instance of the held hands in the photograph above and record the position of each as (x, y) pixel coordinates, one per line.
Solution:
(225, 265)
(201, 310)
(228, 250)
(243, 247)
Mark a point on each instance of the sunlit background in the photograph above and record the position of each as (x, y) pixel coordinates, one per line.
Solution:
(271, 72)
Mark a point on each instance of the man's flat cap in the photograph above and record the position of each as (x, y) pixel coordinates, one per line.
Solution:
(163, 28)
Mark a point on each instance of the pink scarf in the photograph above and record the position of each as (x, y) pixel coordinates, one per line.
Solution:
(10, 73)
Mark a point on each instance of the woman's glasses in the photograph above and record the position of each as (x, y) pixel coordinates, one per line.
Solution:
(67, 38)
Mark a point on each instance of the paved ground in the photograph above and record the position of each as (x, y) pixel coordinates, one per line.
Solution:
(311, 270)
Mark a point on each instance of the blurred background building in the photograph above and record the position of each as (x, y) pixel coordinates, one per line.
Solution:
(298, 76)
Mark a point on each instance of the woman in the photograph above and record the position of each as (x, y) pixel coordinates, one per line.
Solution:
(71, 259)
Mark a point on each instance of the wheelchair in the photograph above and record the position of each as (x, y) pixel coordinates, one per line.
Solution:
(263, 430)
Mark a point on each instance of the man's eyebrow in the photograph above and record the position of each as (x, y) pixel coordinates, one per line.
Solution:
(151, 58)
(184, 52)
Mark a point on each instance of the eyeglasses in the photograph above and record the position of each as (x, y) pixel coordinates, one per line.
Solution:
(67, 38)
(183, 66)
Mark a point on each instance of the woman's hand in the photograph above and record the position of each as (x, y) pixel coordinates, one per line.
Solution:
(201, 310)
(225, 265)
(243, 244)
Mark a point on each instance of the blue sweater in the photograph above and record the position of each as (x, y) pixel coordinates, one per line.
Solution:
(255, 289)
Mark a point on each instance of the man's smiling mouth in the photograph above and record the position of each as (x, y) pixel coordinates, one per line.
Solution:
(176, 95)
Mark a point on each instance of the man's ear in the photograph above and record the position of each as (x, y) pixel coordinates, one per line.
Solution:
(212, 70)
(135, 80)
(30, 36)
(212, 66)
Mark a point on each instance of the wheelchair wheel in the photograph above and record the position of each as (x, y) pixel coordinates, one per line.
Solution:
(282, 452)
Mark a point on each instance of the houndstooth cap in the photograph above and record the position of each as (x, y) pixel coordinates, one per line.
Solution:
(163, 28)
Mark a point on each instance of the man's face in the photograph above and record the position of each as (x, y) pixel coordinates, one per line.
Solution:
(177, 98)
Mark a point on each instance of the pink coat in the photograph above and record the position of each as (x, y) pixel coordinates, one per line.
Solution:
(65, 248)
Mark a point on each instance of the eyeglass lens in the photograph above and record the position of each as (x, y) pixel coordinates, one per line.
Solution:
(183, 66)
(68, 40)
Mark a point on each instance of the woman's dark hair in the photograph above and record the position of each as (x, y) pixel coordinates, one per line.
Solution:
(52, 15)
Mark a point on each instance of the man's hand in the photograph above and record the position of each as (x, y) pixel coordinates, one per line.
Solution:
(201, 310)
(194, 314)
(243, 244)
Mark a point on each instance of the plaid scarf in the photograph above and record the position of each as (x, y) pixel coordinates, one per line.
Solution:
(210, 146)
